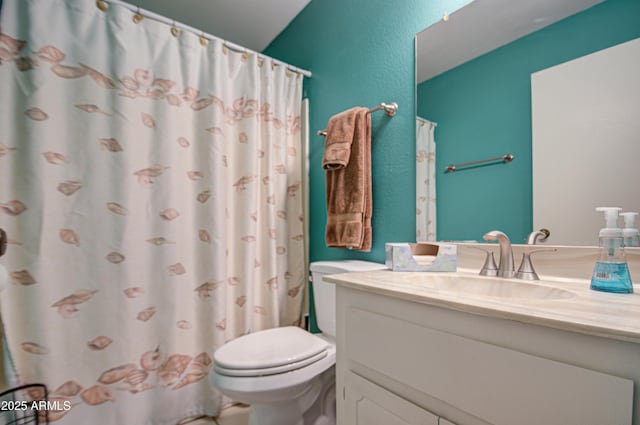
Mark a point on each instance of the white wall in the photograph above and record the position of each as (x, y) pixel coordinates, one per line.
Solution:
(586, 142)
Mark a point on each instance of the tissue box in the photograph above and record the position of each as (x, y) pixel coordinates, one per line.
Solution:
(421, 257)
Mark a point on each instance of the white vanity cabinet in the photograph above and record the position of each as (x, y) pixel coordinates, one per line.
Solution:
(404, 361)
(366, 403)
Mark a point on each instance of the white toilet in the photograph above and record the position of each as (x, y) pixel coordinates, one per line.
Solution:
(286, 374)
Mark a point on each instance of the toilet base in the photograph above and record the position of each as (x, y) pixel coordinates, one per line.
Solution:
(315, 406)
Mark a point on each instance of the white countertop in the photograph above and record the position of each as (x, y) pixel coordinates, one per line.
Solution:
(590, 312)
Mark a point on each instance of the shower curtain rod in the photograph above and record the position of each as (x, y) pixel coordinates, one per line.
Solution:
(148, 14)
(426, 120)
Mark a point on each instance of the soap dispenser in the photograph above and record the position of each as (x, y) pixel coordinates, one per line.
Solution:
(611, 273)
(630, 232)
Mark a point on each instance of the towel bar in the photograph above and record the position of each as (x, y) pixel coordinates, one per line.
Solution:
(389, 108)
(504, 158)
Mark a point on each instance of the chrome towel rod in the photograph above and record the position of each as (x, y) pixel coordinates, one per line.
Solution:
(504, 158)
(389, 108)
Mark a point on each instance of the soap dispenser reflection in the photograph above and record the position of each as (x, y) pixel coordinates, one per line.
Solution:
(630, 232)
(611, 273)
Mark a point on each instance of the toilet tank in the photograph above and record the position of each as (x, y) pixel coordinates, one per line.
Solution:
(324, 294)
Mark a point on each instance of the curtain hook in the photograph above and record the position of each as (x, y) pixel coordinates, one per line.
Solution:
(245, 55)
(138, 16)
(175, 31)
(102, 5)
(203, 40)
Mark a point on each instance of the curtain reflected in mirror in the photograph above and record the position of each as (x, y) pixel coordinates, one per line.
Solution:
(425, 180)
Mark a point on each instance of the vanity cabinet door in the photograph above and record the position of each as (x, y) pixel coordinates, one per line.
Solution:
(369, 404)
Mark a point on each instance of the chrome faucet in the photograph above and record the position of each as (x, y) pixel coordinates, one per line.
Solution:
(505, 264)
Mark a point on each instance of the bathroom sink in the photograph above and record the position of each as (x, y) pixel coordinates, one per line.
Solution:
(490, 287)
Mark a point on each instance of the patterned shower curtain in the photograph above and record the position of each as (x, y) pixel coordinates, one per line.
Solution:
(425, 180)
(150, 184)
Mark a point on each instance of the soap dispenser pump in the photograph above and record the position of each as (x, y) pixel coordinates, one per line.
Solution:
(611, 273)
(630, 232)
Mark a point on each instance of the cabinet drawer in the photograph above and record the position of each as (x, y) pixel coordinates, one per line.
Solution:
(369, 404)
(495, 384)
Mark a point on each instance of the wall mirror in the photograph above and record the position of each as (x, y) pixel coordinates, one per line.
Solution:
(526, 78)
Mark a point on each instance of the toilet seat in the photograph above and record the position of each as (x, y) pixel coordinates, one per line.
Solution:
(269, 352)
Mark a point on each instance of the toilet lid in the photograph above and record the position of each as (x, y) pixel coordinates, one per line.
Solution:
(269, 349)
(271, 370)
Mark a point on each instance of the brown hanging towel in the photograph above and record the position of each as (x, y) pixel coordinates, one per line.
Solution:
(347, 163)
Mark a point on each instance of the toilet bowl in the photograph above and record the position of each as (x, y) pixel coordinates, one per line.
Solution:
(287, 374)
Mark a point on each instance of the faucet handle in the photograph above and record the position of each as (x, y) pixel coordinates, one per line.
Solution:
(489, 268)
(526, 270)
(538, 235)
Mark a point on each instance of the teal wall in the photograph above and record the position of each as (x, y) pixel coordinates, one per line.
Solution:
(361, 53)
(483, 109)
